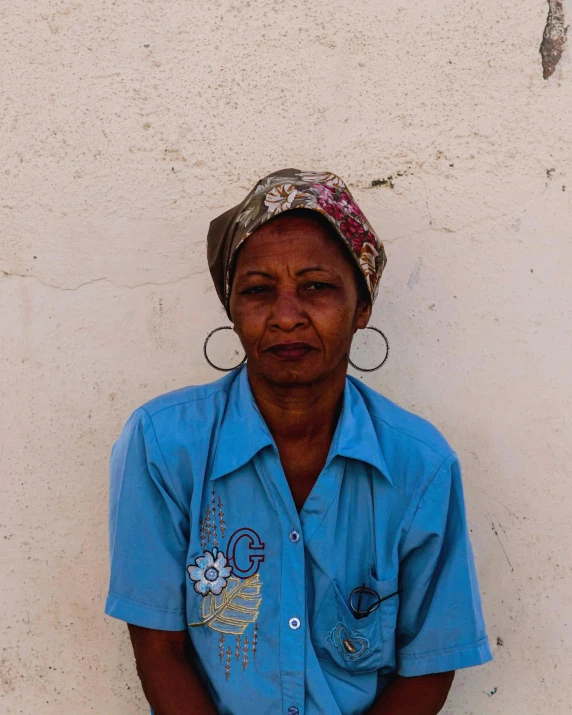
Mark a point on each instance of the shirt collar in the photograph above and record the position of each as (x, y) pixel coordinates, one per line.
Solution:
(355, 436)
(243, 431)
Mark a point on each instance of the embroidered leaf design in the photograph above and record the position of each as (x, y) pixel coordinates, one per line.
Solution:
(234, 608)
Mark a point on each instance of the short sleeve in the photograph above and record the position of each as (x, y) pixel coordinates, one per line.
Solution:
(440, 622)
(148, 532)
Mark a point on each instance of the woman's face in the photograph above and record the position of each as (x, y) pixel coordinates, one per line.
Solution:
(294, 301)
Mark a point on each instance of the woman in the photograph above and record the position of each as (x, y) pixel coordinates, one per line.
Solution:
(286, 539)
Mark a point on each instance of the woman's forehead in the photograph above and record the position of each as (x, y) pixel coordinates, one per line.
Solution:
(294, 241)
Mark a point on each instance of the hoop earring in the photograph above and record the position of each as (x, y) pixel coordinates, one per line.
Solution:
(216, 367)
(372, 369)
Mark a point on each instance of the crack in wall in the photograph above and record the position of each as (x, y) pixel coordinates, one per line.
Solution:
(98, 280)
(554, 38)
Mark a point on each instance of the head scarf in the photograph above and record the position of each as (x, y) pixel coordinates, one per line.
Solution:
(281, 191)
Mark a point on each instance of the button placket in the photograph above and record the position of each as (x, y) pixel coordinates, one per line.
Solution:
(293, 590)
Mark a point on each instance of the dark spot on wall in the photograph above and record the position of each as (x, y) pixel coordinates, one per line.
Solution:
(549, 173)
(500, 641)
(554, 38)
(390, 180)
(383, 182)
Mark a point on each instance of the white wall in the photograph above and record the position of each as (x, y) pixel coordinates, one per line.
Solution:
(125, 127)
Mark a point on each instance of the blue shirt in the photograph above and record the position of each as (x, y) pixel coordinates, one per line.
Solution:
(205, 535)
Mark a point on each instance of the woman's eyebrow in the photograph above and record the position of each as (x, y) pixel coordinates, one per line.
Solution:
(257, 273)
(311, 268)
(298, 273)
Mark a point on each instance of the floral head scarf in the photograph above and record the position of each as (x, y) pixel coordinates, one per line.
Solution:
(289, 189)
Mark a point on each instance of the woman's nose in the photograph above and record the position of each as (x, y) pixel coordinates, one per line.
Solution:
(287, 311)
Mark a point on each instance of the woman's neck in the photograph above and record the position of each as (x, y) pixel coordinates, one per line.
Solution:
(300, 413)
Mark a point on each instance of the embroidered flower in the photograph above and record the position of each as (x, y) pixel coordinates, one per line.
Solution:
(349, 645)
(368, 259)
(263, 185)
(280, 198)
(350, 206)
(324, 177)
(326, 193)
(326, 201)
(210, 573)
(333, 210)
(355, 232)
(249, 213)
(254, 206)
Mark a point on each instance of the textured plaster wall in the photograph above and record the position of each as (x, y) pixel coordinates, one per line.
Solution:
(126, 126)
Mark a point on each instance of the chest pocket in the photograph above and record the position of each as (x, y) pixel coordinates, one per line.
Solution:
(360, 645)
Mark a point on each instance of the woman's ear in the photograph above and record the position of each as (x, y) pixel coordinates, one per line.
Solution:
(363, 314)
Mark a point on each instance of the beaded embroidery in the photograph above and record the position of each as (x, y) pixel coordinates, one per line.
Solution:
(230, 593)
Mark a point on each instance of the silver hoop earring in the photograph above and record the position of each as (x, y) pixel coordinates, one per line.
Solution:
(216, 367)
(372, 369)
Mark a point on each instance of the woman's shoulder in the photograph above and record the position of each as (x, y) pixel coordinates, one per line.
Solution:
(401, 425)
(185, 417)
(199, 396)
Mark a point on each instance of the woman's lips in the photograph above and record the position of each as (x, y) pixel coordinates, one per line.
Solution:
(291, 351)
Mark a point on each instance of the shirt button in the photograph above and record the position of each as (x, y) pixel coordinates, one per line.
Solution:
(294, 623)
(293, 710)
(294, 536)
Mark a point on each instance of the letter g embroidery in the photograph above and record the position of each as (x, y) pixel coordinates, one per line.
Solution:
(255, 552)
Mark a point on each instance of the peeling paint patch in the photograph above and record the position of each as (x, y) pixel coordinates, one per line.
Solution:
(554, 39)
(414, 277)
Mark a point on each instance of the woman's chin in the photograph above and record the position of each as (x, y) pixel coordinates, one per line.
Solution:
(290, 372)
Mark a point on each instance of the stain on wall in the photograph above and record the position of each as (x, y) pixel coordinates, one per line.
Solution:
(554, 38)
(125, 128)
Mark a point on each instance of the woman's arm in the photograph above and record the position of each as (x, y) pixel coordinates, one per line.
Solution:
(420, 695)
(169, 682)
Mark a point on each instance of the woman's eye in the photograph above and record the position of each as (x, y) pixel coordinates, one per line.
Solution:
(254, 290)
(317, 285)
